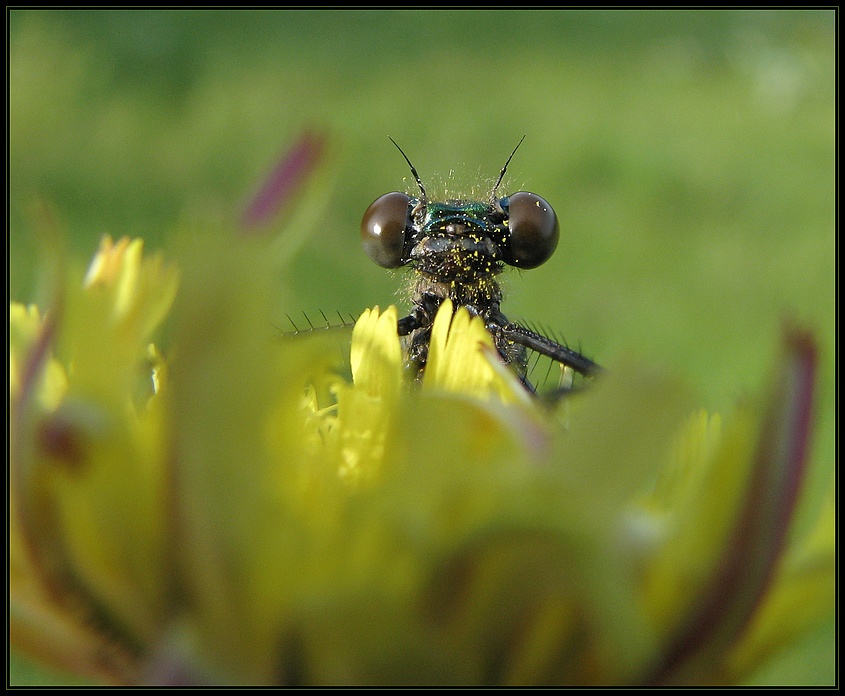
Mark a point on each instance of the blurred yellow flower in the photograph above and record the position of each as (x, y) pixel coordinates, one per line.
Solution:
(229, 509)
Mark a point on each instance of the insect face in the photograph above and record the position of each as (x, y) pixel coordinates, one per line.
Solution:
(460, 240)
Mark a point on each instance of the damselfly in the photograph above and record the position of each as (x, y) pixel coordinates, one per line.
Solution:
(456, 248)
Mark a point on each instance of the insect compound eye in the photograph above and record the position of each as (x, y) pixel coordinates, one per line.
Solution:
(383, 229)
(534, 229)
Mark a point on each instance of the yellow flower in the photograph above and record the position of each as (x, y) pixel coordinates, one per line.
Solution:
(227, 508)
(86, 506)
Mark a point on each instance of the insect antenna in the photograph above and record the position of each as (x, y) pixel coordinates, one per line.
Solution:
(413, 171)
(502, 173)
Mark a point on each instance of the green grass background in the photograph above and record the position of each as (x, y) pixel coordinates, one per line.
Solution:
(690, 157)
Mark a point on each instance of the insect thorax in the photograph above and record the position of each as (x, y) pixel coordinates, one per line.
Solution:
(482, 296)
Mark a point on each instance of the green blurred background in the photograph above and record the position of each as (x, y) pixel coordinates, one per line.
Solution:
(689, 155)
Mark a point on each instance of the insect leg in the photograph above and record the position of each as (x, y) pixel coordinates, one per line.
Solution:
(408, 324)
(551, 349)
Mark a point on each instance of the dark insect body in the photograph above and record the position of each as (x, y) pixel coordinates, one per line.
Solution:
(457, 248)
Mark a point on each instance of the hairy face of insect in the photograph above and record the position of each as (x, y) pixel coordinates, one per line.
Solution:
(459, 240)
